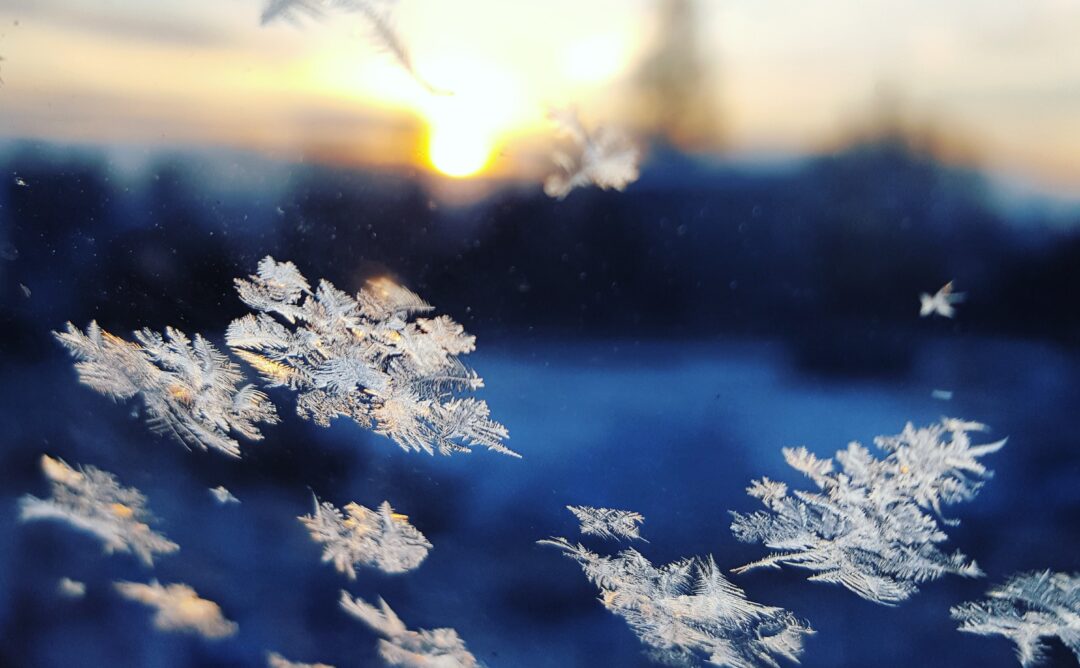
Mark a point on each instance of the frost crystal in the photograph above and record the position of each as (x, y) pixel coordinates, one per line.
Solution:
(687, 612)
(1028, 609)
(441, 648)
(361, 357)
(869, 528)
(71, 588)
(381, 539)
(377, 13)
(223, 496)
(275, 660)
(188, 387)
(179, 608)
(93, 501)
(608, 523)
(604, 158)
(941, 302)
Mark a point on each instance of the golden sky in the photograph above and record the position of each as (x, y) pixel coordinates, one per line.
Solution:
(784, 76)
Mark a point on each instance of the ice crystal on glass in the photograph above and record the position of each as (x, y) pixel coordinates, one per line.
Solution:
(1029, 609)
(71, 588)
(607, 522)
(92, 500)
(179, 608)
(874, 525)
(399, 646)
(275, 660)
(603, 158)
(188, 387)
(365, 358)
(378, 14)
(687, 612)
(360, 536)
(940, 303)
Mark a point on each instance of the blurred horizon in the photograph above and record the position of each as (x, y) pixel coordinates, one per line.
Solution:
(987, 85)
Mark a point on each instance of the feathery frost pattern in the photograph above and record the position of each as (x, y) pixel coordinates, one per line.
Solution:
(940, 303)
(188, 387)
(275, 660)
(869, 527)
(91, 500)
(377, 13)
(687, 612)
(608, 523)
(363, 358)
(411, 649)
(1028, 609)
(604, 158)
(379, 538)
(179, 608)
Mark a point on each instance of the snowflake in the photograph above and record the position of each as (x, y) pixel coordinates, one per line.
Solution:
(1027, 610)
(188, 387)
(377, 13)
(363, 358)
(608, 523)
(275, 660)
(868, 528)
(93, 501)
(223, 496)
(442, 648)
(179, 608)
(71, 588)
(941, 302)
(686, 612)
(382, 539)
(604, 158)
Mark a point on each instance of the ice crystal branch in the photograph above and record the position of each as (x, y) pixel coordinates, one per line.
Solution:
(91, 500)
(360, 536)
(603, 158)
(411, 649)
(687, 612)
(179, 608)
(188, 387)
(868, 527)
(1028, 609)
(275, 660)
(377, 14)
(940, 303)
(365, 358)
(608, 523)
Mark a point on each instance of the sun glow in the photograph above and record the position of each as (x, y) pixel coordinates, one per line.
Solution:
(467, 127)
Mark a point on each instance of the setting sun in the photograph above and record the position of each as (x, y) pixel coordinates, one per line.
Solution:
(466, 127)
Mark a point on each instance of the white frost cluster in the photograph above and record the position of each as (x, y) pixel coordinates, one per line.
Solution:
(377, 14)
(188, 387)
(438, 648)
(607, 522)
(91, 500)
(870, 526)
(940, 303)
(179, 608)
(275, 660)
(71, 588)
(363, 357)
(1028, 609)
(687, 612)
(223, 496)
(603, 158)
(381, 539)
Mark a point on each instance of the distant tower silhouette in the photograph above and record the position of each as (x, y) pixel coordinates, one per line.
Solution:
(676, 85)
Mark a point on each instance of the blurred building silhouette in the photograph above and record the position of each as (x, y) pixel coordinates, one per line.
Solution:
(675, 91)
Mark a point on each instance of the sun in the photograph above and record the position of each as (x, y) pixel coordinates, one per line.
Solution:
(466, 128)
(460, 144)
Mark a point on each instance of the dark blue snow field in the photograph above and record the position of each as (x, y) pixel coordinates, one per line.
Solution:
(674, 429)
